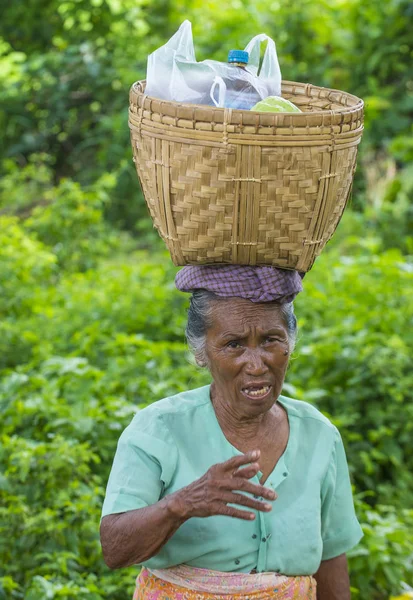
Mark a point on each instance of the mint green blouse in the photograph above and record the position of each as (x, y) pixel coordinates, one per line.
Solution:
(174, 441)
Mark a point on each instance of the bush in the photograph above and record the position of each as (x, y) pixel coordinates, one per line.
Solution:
(24, 261)
(355, 357)
(385, 555)
(66, 71)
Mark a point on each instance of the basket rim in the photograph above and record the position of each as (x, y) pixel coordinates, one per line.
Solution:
(357, 106)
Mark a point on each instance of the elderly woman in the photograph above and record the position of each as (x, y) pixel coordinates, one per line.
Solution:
(233, 490)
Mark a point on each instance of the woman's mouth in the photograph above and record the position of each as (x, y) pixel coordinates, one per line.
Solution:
(257, 393)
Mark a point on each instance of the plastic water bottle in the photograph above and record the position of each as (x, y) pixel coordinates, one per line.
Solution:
(240, 93)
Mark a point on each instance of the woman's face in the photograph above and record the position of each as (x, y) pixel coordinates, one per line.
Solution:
(247, 350)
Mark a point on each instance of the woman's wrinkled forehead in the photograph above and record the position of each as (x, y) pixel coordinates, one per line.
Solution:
(239, 316)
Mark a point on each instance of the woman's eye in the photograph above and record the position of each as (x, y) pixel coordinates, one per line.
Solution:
(272, 340)
(233, 344)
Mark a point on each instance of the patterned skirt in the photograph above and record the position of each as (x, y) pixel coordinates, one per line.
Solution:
(189, 583)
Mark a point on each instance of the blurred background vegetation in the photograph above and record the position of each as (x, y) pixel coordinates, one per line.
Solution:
(91, 327)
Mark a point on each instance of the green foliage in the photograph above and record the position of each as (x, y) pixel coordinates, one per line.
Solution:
(62, 416)
(91, 327)
(355, 354)
(50, 508)
(72, 223)
(21, 189)
(65, 71)
(23, 261)
(386, 553)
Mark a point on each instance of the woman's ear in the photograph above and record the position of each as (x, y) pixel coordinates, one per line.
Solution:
(201, 359)
(200, 362)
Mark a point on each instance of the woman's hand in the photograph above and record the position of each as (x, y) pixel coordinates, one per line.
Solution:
(136, 535)
(220, 486)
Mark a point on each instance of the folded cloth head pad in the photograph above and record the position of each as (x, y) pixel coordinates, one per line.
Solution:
(258, 284)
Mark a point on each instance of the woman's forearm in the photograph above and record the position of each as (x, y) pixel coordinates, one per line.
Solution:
(132, 537)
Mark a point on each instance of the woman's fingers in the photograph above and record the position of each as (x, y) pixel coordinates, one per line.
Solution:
(215, 491)
(236, 513)
(244, 485)
(241, 499)
(240, 475)
(238, 461)
(247, 472)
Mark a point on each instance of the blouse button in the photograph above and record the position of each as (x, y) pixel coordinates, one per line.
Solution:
(285, 474)
(254, 536)
(264, 539)
(237, 561)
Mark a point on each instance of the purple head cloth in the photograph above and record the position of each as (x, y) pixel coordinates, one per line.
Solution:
(258, 284)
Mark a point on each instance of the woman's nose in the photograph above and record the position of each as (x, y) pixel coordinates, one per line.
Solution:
(255, 364)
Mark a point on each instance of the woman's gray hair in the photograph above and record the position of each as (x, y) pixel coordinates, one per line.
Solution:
(199, 319)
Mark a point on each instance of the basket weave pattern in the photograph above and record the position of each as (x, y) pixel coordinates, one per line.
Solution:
(243, 187)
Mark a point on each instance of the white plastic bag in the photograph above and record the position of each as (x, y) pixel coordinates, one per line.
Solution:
(174, 74)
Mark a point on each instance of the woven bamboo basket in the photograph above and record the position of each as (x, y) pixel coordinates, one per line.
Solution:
(233, 186)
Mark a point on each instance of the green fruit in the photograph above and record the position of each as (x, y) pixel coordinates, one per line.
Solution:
(275, 104)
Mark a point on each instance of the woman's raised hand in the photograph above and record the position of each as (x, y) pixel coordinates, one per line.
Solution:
(212, 493)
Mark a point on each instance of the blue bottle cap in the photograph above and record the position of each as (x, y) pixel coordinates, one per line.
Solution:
(239, 56)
